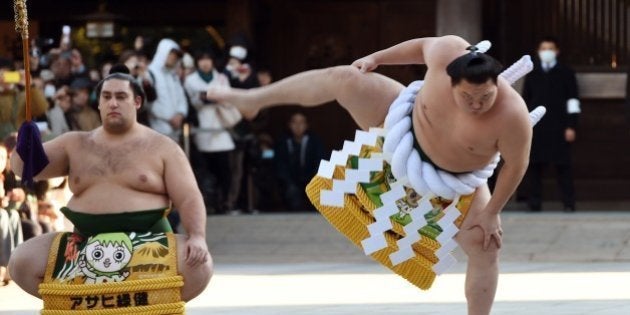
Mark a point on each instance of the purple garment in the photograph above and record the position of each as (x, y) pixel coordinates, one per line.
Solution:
(29, 147)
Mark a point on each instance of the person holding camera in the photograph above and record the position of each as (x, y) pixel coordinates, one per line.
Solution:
(212, 138)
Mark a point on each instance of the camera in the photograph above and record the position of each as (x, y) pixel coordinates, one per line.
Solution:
(11, 77)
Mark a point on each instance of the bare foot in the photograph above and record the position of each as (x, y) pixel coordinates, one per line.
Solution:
(235, 97)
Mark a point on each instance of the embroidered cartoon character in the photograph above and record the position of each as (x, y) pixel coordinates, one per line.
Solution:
(105, 257)
(408, 203)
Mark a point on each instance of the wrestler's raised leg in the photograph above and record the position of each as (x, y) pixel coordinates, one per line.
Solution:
(195, 278)
(366, 96)
(482, 273)
(28, 262)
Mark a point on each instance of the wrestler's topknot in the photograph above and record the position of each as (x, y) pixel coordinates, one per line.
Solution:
(474, 67)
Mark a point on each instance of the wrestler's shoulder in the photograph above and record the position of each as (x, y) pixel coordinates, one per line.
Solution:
(151, 134)
(72, 136)
(513, 108)
(508, 92)
(158, 139)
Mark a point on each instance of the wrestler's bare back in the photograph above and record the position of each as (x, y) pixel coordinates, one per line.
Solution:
(117, 174)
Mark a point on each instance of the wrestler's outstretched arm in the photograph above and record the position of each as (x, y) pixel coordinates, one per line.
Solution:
(56, 151)
(186, 197)
(427, 50)
(406, 53)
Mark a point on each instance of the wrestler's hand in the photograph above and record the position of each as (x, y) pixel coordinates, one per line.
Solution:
(490, 224)
(365, 64)
(569, 135)
(177, 121)
(196, 251)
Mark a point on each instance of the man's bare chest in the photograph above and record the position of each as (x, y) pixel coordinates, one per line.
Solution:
(131, 164)
(442, 122)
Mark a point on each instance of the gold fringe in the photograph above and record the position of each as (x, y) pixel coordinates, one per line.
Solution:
(159, 309)
(163, 294)
(54, 288)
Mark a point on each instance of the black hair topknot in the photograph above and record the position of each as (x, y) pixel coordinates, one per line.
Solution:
(474, 67)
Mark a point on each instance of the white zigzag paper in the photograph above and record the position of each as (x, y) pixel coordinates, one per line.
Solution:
(332, 198)
(371, 164)
(377, 241)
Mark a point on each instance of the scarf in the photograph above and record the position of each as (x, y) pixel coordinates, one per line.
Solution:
(206, 77)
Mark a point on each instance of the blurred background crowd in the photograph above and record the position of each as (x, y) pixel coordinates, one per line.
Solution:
(234, 159)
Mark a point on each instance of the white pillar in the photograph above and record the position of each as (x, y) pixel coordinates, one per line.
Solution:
(461, 18)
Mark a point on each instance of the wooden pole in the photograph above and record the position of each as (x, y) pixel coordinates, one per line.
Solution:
(21, 26)
(27, 76)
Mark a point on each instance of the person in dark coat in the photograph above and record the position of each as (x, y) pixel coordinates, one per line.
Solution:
(297, 157)
(553, 85)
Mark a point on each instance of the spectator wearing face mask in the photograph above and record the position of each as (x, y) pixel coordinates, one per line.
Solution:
(239, 69)
(553, 85)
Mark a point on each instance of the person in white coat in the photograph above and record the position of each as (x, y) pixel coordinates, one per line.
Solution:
(168, 110)
(212, 138)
